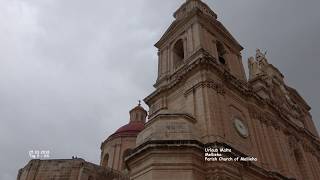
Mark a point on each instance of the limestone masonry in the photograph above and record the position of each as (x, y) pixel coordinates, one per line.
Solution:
(206, 120)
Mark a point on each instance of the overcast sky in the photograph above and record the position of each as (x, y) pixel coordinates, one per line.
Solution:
(71, 70)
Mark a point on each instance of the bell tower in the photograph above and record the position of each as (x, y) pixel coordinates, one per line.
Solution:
(196, 54)
(196, 32)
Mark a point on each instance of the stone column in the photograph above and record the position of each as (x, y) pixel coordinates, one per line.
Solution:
(277, 148)
(185, 47)
(262, 160)
(159, 64)
(197, 34)
(305, 163)
(313, 164)
(190, 40)
(317, 166)
(289, 154)
(274, 147)
(214, 49)
(264, 147)
(269, 146)
(167, 55)
(283, 151)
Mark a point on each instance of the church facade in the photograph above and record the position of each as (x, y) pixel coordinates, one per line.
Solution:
(203, 99)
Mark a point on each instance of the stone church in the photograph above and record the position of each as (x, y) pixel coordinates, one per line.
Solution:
(203, 99)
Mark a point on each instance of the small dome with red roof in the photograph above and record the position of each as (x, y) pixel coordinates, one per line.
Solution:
(137, 120)
(130, 129)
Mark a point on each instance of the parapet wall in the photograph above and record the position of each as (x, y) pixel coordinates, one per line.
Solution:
(71, 169)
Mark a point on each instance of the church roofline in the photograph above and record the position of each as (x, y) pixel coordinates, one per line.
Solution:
(171, 29)
(299, 97)
(276, 69)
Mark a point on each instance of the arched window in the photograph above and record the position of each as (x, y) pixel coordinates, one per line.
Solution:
(178, 53)
(124, 155)
(105, 160)
(221, 52)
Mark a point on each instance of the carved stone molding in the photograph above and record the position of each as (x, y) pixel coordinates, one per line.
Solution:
(218, 87)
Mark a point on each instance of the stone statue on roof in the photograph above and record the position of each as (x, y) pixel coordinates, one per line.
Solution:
(259, 55)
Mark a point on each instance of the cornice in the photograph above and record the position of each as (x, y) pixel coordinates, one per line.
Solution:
(218, 87)
(188, 117)
(295, 93)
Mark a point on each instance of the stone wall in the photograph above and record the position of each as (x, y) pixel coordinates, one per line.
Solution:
(67, 169)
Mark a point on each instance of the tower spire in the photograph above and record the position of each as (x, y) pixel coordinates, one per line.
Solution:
(192, 5)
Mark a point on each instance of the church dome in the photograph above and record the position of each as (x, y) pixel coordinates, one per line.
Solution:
(132, 128)
(136, 124)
